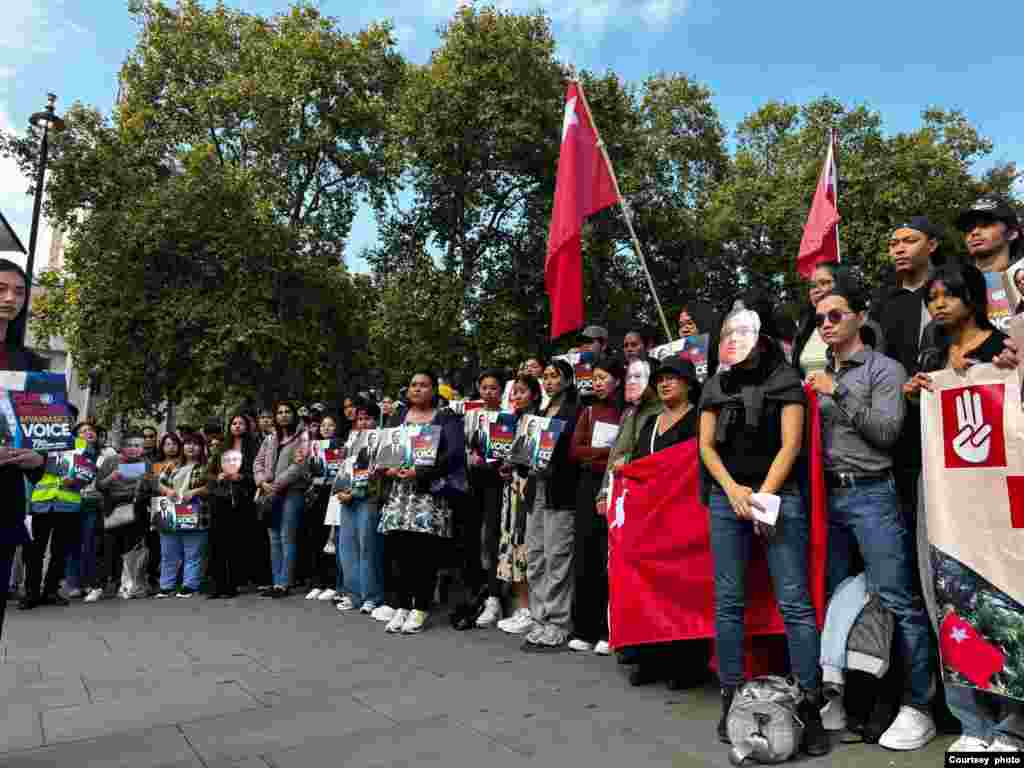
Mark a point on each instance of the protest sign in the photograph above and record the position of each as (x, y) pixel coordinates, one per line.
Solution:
(34, 413)
(692, 348)
(424, 443)
(972, 430)
(999, 309)
(394, 448)
(500, 436)
(548, 442)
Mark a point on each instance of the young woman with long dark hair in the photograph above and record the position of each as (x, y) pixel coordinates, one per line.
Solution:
(185, 483)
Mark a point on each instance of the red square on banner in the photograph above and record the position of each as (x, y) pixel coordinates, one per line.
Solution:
(1015, 488)
(972, 427)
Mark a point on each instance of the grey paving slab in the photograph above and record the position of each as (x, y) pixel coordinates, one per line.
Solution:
(20, 726)
(290, 722)
(163, 705)
(65, 691)
(142, 748)
(436, 742)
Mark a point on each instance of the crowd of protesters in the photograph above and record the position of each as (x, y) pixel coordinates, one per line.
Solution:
(532, 547)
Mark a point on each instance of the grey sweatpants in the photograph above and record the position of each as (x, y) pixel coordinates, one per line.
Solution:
(549, 553)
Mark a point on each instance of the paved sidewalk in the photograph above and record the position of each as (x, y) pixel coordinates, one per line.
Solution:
(295, 684)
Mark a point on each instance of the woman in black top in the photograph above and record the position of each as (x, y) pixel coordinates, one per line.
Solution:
(16, 464)
(683, 664)
(751, 432)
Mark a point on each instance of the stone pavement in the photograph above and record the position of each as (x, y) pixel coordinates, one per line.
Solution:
(295, 684)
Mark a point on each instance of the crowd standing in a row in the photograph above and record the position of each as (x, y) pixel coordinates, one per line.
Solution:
(532, 546)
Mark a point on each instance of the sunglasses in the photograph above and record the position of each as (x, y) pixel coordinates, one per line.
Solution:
(834, 316)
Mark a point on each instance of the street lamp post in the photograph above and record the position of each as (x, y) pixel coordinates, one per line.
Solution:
(46, 120)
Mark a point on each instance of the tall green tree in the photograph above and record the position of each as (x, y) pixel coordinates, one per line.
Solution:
(206, 216)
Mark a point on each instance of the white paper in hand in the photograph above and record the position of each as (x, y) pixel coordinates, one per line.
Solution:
(771, 503)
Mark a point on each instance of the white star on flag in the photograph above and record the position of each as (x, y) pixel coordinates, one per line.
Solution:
(570, 116)
(959, 634)
(620, 512)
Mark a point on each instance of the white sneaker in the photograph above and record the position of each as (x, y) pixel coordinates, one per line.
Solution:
(397, 621)
(601, 648)
(368, 607)
(94, 596)
(383, 613)
(1002, 744)
(580, 645)
(518, 624)
(833, 715)
(345, 604)
(491, 613)
(535, 634)
(415, 622)
(313, 594)
(968, 744)
(73, 594)
(328, 594)
(912, 729)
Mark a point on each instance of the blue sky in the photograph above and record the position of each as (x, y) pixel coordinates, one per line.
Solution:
(897, 56)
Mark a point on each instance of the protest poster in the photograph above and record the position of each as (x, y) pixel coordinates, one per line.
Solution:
(527, 441)
(394, 448)
(325, 460)
(34, 411)
(583, 371)
(692, 348)
(999, 309)
(470, 417)
(1013, 280)
(501, 433)
(547, 443)
(972, 430)
(423, 443)
(344, 477)
(83, 468)
(171, 514)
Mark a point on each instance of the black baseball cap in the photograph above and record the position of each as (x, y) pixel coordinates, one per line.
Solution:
(923, 225)
(676, 366)
(990, 208)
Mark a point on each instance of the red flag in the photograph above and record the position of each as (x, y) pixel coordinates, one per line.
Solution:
(661, 573)
(820, 243)
(965, 652)
(584, 186)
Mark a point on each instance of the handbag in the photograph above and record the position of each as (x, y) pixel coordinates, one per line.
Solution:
(762, 723)
(122, 514)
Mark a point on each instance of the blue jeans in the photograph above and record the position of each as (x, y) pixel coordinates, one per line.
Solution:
(80, 571)
(868, 517)
(285, 514)
(187, 546)
(983, 715)
(359, 551)
(787, 553)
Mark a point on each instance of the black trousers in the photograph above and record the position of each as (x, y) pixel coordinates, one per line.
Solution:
(59, 529)
(590, 564)
(6, 560)
(480, 533)
(225, 560)
(416, 558)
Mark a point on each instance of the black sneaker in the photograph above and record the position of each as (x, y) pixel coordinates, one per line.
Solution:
(816, 742)
(280, 592)
(163, 593)
(54, 599)
(723, 727)
(186, 592)
(268, 591)
(28, 602)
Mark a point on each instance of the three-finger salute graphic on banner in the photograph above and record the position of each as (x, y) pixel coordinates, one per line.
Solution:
(972, 426)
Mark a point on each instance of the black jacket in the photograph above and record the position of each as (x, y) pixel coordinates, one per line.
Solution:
(12, 480)
(450, 464)
(563, 474)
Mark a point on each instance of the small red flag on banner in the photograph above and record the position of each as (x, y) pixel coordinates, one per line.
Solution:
(585, 185)
(820, 243)
(965, 652)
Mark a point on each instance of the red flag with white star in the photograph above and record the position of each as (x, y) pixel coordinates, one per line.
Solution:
(820, 243)
(964, 651)
(585, 185)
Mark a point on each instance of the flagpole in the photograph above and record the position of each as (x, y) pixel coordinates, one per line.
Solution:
(626, 214)
(835, 166)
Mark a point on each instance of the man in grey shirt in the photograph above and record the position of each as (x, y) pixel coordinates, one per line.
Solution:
(862, 410)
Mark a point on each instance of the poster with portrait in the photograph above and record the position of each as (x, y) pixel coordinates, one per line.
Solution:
(739, 337)
(692, 348)
(527, 440)
(394, 448)
(583, 372)
(972, 430)
(547, 444)
(501, 433)
(34, 412)
(1013, 280)
(424, 441)
(471, 417)
(325, 460)
(170, 514)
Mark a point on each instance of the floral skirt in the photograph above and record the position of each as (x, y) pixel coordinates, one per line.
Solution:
(407, 510)
(512, 545)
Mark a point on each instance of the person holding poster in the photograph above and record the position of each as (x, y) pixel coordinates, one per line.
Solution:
(16, 465)
(516, 501)
(185, 543)
(418, 509)
(481, 529)
(957, 299)
(590, 572)
(549, 527)
(325, 463)
(751, 433)
(229, 497)
(359, 547)
(255, 566)
(862, 409)
(81, 568)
